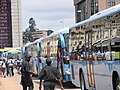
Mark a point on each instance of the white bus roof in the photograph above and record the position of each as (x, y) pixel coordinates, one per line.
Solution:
(61, 31)
(27, 44)
(38, 40)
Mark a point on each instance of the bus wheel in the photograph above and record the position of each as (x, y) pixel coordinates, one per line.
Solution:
(82, 82)
(116, 81)
(117, 84)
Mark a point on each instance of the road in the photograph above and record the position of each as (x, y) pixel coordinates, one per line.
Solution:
(13, 83)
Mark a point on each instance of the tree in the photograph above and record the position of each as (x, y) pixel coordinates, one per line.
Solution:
(49, 32)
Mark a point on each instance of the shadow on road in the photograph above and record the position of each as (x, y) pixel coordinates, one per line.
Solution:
(66, 85)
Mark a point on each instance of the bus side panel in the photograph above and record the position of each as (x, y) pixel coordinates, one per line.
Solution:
(75, 65)
(103, 73)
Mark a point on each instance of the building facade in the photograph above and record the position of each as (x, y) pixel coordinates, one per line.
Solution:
(85, 8)
(16, 23)
(5, 24)
(10, 23)
(32, 36)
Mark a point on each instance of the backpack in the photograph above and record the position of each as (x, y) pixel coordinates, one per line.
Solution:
(4, 65)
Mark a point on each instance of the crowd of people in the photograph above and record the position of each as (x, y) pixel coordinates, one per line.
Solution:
(7, 66)
(23, 66)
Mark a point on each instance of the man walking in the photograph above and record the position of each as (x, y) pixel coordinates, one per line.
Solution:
(26, 80)
(49, 75)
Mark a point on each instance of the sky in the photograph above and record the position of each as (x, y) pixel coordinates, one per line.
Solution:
(48, 14)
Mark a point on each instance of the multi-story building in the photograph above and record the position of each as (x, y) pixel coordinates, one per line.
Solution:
(85, 8)
(32, 36)
(10, 23)
(16, 23)
(5, 24)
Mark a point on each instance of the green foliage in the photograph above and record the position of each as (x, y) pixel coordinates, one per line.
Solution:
(49, 32)
(32, 25)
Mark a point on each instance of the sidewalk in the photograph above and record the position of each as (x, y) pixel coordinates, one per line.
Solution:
(10, 83)
(13, 83)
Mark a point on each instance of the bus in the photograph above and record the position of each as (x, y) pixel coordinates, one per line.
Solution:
(25, 48)
(11, 53)
(94, 47)
(31, 49)
(55, 47)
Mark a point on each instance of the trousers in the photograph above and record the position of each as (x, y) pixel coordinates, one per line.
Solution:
(25, 87)
(26, 81)
(49, 85)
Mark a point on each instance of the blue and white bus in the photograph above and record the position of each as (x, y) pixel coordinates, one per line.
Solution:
(94, 47)
(31, 49)
(55, 46)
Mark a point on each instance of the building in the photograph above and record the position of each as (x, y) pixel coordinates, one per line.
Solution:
(32, 36)
(85, 8)
(16, 23)
(5, 24)
(10, 23)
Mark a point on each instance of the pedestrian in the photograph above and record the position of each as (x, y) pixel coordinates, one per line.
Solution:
(26, 79)
(49, 75)
(11, 68)
(18, 66)
(1, 66)
(4, 68)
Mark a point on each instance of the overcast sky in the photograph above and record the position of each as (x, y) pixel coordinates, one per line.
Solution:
(48, 14)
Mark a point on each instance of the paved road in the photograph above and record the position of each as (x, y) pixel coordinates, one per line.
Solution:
(13, 83)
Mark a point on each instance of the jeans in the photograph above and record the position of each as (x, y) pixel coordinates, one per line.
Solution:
(4, 72)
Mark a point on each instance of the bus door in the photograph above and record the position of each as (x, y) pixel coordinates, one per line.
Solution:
(62, 60)
(89, 63)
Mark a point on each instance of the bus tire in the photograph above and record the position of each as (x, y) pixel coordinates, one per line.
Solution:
(69, 84)
(116, 81)
(82, 82)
